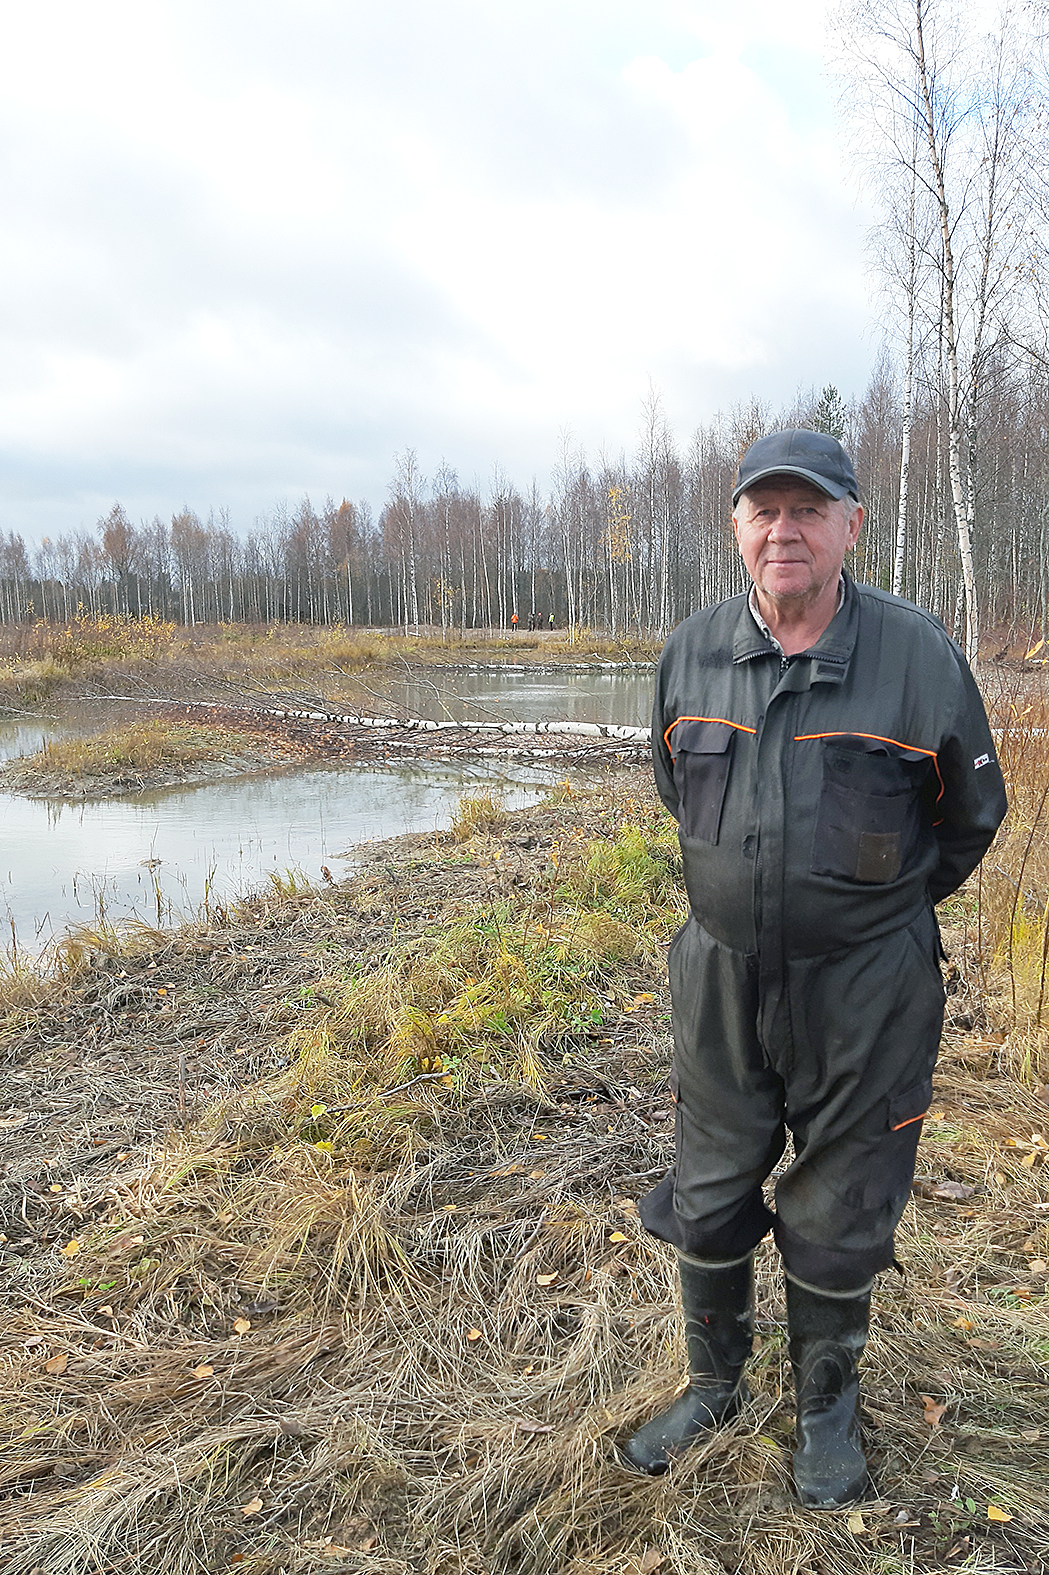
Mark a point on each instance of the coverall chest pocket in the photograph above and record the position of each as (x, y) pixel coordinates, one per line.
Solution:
(869, 813)
(702, 753)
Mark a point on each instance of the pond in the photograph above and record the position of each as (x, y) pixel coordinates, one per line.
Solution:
(523, 695)
(158, 856)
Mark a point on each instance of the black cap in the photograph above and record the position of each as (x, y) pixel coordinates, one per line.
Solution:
(814, 456)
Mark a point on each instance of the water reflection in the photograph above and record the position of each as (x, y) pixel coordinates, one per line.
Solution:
(524, 696)
(159, 856)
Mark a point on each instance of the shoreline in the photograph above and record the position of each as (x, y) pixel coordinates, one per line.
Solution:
(280, 738)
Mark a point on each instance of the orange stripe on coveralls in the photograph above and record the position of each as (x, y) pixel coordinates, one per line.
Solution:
(804, 738)
(722, 719)
(909, 1122)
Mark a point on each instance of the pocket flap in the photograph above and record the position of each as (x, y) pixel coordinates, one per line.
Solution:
(910, 1105)
(694, 737)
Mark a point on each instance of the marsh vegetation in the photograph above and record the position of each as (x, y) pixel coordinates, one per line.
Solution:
(323, 1249)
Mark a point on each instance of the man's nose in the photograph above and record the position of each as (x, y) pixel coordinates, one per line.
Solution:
(783, 527)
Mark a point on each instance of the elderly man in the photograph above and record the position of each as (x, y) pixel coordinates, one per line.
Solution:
(825, 751)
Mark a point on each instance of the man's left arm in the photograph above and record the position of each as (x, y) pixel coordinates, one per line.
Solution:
(973, 803)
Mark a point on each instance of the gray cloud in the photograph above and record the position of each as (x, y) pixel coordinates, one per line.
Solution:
(255, 250)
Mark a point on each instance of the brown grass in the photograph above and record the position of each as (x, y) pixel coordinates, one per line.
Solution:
(44, 659)
(138, 747)
(389, 1308)
(475, 814)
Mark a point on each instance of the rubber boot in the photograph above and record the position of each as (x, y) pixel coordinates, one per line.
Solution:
(718, 1303)
(826, 1336)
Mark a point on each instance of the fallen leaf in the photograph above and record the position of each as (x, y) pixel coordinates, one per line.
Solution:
(1032, 1436)
(473, 1334)
(449, 1208)
(57, 1364)
(205, 1370)
(545, 1279)
(56, 1186)
(1038, 1265)
(934, 1413)
(1000, 1178)
(1033, 651)
(252, 1507)
(71, 1248)
(536, 1175)
(1029, 1160)
(994, 1513)
(641, 1000)
(953, 1191)
(856, 1524)
(540, 1137)
(1022, 1291)
(529, 1369)
(651, 1559)
(963, 1323)
(984, 1345)
(367, 1544)
(242, 1325)
(617, 1235)
(107, 1312)
(536, 1427)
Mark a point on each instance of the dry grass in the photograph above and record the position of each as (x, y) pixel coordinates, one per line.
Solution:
(41, 660)
(138, 747)
(389, 1308)
(475, 814)
(135, 755)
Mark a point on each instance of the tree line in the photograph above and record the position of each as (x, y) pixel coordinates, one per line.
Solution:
(629, 546)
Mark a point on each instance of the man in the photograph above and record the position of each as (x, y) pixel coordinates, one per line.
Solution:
(826, 753)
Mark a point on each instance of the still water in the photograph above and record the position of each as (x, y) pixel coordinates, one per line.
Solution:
(161, 856)
(158, 856)
(624, 698)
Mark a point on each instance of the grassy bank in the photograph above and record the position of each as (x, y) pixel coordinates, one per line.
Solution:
(323, 1254)
(42, 660)
(135, 756)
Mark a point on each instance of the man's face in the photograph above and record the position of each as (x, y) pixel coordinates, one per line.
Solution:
(793, 538)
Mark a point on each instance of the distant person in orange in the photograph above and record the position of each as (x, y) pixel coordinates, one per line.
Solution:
(513, 623)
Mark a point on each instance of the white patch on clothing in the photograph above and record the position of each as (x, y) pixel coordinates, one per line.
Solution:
(981, 760)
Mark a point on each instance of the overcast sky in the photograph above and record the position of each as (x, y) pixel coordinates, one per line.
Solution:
(253, 250)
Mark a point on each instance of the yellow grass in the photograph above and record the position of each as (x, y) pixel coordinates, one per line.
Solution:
(138, 747)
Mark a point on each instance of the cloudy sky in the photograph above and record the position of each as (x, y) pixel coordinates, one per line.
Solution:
(254, 250)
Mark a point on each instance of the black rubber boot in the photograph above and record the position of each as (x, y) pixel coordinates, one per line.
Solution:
(718, 1303)
(826, 1339)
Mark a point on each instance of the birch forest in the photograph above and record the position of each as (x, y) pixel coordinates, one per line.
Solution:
(945, 111)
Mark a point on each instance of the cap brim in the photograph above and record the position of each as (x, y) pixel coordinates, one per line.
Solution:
(828, 488)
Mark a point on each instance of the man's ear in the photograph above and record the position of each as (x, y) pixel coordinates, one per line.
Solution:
(855, 525)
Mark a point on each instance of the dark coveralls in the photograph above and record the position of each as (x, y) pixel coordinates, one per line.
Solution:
(825, 801)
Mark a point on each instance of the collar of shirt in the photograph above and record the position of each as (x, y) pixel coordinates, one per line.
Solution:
(752, 603)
